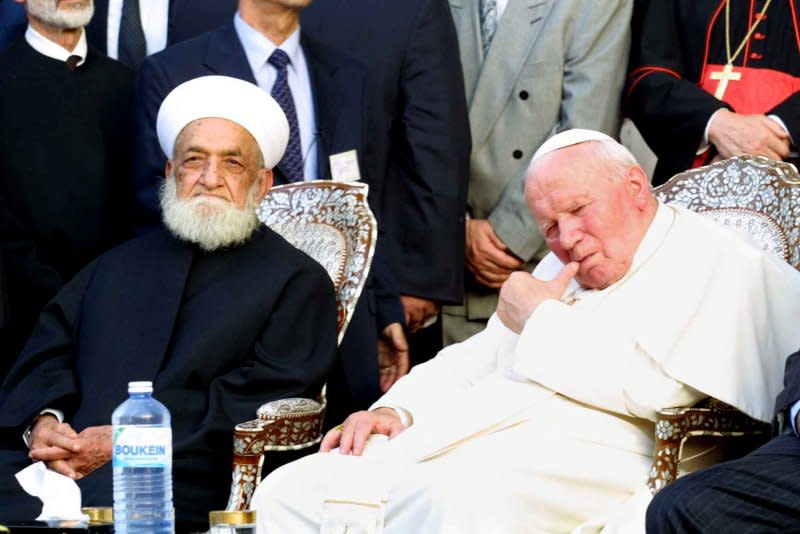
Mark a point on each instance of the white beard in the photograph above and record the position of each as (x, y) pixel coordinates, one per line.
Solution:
(207, 222)
(66, 19)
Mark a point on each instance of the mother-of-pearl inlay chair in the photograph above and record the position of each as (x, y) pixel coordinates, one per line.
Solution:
(332, 223)
(761, 199)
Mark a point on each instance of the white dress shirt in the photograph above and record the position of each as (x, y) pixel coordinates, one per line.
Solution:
(258, 48)
(501, 7)
(793, 411)
(154, 15)
(48, 48)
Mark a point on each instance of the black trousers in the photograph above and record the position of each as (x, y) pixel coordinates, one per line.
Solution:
(757, 493)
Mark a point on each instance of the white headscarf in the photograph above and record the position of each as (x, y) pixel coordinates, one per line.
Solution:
(227, 98)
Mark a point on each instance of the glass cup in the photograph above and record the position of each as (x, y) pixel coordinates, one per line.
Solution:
(232, 522)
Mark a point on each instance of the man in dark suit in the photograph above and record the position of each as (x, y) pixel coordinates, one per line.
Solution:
(756, 493)
(325, 92)
(64, 144)
(419, 142)
(159, 24)
(219, 312)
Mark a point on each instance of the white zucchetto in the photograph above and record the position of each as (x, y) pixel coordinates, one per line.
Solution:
(226, 98)
(567, 138)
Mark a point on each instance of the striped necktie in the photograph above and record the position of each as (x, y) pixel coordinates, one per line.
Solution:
(292, 163)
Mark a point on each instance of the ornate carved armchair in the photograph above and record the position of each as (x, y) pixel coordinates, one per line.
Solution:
(760, 198)
(332, 223)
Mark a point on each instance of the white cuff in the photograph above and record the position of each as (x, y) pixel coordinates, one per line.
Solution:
(705, 145)
(782, 125)
(26, 436)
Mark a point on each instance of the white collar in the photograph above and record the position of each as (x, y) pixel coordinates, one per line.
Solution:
(48, 48)
(258, 48)
(662, 221)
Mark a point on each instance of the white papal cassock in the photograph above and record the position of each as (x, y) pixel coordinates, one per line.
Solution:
(552, 430)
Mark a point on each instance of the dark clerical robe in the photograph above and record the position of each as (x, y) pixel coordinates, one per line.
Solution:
(678, 47)
(217, 333)
(64, 152)
(26, 284)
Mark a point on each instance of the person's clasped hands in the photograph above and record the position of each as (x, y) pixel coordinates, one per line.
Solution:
(68, 452)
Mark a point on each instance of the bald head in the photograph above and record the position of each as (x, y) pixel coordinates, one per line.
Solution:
(593, 205)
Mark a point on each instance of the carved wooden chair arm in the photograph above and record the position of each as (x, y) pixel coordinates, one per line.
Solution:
(282, 425)
(674, 426)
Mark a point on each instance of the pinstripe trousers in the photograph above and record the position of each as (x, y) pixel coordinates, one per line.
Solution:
(757, 493)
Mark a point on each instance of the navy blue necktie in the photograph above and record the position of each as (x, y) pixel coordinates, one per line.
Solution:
(292, 163)
(132, 47)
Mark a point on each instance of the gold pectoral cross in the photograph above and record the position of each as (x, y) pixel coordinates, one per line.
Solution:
(724, 76)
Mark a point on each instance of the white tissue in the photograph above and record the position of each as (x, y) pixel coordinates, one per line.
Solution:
(60, 495)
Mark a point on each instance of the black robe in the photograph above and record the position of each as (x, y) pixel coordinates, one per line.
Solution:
(64, 152)
(672, 42)
(218, 334)
(26, 284)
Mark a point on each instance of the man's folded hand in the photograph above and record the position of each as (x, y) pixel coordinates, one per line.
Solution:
(67, 452)
(351, 436)
(488, 258)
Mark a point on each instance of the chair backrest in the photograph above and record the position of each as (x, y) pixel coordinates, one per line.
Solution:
(755, 195)
(332, 223)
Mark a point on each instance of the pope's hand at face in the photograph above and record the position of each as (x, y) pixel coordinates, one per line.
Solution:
(521, 294)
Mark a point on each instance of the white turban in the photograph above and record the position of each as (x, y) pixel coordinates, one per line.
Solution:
(226, 98)
(569, 138)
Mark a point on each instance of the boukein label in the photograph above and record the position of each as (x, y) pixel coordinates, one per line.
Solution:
(142, 446)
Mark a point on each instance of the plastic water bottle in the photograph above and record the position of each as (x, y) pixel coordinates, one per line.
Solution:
(142, 462)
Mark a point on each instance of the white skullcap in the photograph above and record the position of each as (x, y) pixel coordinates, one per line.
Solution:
(226, 98)
(569, 138)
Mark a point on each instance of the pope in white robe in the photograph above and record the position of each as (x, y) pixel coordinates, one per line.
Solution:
(544, 421)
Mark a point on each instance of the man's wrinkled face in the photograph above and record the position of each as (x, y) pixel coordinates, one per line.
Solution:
(213, 184)
(584, 215)
(217, 161)
(63, 14)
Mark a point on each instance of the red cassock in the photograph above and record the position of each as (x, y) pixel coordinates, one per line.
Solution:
(678, 55)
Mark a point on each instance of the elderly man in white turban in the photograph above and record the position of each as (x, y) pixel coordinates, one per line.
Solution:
(543, 422)
(219, 312)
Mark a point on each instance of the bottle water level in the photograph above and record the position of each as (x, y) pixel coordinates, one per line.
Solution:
(143, 500)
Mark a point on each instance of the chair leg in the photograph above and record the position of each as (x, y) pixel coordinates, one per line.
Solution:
(248, 458)
(670, 433)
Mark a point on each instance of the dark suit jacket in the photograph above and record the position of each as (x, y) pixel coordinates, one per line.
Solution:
(791, 385)
(13, 21)
(217, 333)
(419, 143)
(337, 85)
(187, 19)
